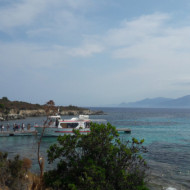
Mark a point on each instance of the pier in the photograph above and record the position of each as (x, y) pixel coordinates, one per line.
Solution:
(32, 132)
(17, 133)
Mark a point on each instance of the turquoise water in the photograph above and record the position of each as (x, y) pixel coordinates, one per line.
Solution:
(167, 138)
(166, 133)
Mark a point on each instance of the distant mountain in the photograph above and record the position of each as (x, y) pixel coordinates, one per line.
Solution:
(183, 102)
(160, 102)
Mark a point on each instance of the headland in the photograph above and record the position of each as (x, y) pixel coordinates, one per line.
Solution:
(11, 110)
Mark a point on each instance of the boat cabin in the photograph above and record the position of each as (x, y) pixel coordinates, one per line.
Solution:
(82, 121)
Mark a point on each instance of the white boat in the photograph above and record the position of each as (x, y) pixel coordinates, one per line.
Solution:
(56, 126)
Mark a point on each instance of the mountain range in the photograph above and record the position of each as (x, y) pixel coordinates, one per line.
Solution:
(160, 102)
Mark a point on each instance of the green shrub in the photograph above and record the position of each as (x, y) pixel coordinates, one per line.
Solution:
(5, 99)
(96, 161)
(2, 106)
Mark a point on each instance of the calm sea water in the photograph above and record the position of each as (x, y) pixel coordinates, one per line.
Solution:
(166, 133)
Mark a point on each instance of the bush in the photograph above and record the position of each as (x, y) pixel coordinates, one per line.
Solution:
(98, 160)
(2, 106)
(5, 99)
(13, 172)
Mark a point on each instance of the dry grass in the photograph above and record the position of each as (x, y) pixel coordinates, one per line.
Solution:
(35, 183)
(27, 163)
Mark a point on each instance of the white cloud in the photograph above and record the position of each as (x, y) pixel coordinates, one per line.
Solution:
(149, 40)
(136, 30)
(20, 13)
(79, 4)
(156, 49)
(43, 13)
(145, 55)
(24, 55)
(86, 50)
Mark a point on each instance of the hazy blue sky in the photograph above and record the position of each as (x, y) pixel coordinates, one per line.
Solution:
(94, 52)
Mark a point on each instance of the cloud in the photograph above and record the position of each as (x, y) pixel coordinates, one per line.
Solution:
(20, 13)
(35, 16)
(155, 47)
(150, 39)
(143, 55)
(78, 5)
(33, 55)
(24, 55)
(86, 50)
(135, 31)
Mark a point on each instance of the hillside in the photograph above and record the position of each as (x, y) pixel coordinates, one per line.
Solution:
(6, 104)
(160, 102)
(18, 109)
(148, 102)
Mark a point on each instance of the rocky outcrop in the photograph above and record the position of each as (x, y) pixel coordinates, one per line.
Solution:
(19, 109)
(32, 113)
(1, 117)
(13, 117)
(79, 112)
(21, 114)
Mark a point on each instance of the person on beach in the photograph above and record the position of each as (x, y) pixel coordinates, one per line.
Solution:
(18, 127)
(8, 126)
(14, 127)
(56, 122)
(28, 126)
(2, 128)
(22, 127)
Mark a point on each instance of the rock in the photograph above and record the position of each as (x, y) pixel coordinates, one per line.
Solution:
(14, 116)
(81, 112)
(1, 119)
(32, 113)
(21, 114)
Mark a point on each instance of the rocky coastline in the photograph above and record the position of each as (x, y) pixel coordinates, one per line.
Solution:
(15, 114)
(12, 110)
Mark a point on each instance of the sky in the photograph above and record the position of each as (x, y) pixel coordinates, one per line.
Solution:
(94, 53)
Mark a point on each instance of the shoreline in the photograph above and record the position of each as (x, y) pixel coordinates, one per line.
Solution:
(23, 114)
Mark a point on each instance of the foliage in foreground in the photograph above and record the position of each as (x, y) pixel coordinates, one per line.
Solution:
(13, 172)
(96, 161)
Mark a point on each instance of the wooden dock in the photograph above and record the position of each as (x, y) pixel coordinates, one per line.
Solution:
(125, 130)
(17, 133)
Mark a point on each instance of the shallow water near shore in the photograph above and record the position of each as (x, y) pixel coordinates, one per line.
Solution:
(166, 133)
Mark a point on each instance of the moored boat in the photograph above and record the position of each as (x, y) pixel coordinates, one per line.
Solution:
(57, 126)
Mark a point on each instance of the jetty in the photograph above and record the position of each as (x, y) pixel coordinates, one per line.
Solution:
(125, 130)
(17, 133)
(33, 132)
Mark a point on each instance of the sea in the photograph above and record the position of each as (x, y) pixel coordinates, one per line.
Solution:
(166, 133)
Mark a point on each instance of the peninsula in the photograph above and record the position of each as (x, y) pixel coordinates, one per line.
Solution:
(10, 110)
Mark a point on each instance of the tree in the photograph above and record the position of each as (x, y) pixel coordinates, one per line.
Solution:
(98, 160)
(49, 109)
(2, 106)
(5, 99)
